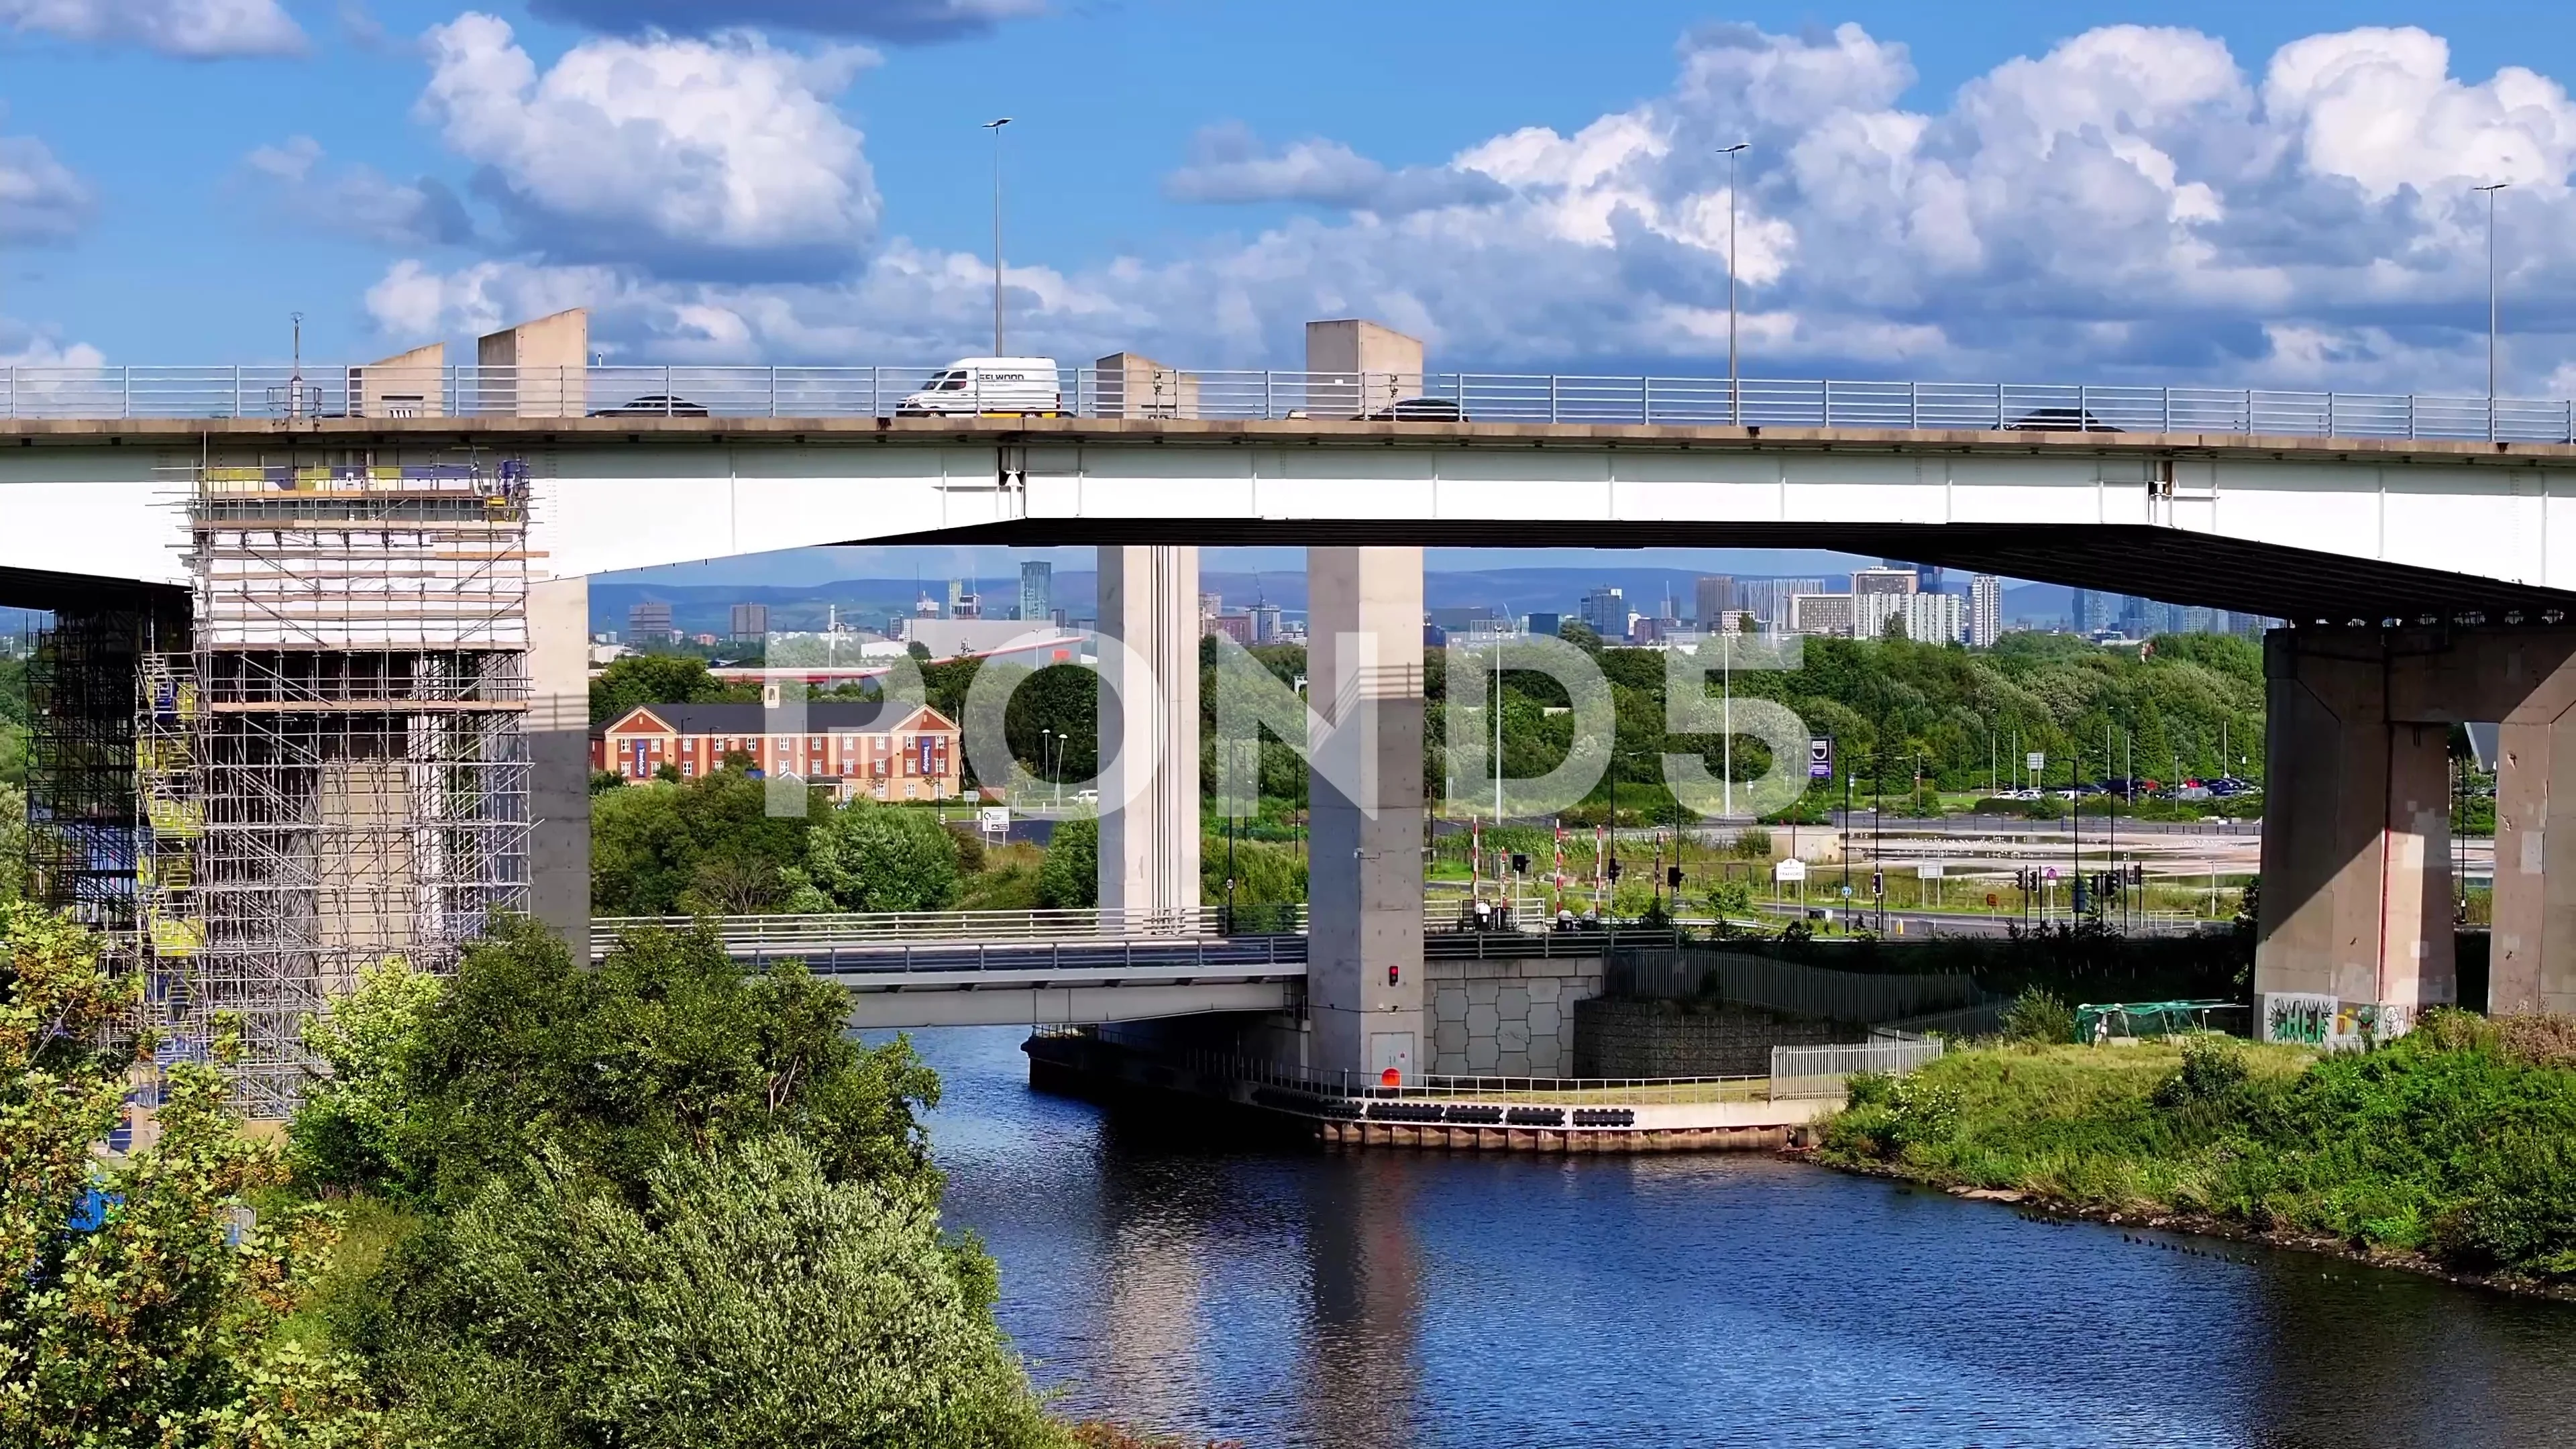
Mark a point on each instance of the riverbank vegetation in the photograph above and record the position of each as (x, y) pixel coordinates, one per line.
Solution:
(2449, 1147)
(536, 1204)
(656, 1201)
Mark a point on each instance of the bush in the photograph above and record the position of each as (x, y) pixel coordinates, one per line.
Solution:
(142, 1303)
(348, 1132)
(750, 1298)
(1884, 1115)
(2538, 1040)
(863, 856)
(2039, 1017)
(1753, 843)
(2212, 1070)
(2522, 1217)
(1070, 878)
(666, 1045)
(1264, 874)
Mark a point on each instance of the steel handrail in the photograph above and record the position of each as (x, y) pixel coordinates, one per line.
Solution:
(1635, 1091)
(876, 390)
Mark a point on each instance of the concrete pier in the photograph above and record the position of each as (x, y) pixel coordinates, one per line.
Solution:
(2356, 932)
(1364, 953)
(1149, 728)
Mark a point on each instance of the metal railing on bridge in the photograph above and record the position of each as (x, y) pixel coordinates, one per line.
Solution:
(781, 935)
(877, 391)
(1137, 957)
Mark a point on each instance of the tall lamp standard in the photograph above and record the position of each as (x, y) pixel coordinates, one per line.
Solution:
(995, 126)
(2491, 191)
(1734, 387)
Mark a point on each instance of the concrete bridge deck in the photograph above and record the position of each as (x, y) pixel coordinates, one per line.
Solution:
(1068, 967)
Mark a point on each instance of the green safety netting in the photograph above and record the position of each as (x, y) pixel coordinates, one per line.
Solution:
(2150, 1018)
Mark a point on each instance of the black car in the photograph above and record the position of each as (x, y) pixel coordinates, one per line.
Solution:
(2059, 420)
(1420, 410)
(655, 405)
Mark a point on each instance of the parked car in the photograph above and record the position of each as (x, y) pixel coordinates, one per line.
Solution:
(654, 405)
(1010, 386)
(1420, 410)
(2059, 420)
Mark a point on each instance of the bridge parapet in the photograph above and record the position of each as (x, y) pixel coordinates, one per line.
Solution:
(444, 393)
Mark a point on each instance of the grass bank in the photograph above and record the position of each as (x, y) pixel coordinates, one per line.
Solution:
(2452, 1150)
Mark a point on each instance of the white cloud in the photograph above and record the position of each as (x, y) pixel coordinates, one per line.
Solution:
(895, 20)
(356, 201)
(2132, 204)
(194, 28)
(720, 157)
(1229, 164)
(27, 345)
(41, 199)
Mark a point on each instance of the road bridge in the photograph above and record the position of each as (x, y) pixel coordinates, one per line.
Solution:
(982, 968)
(2406, 539)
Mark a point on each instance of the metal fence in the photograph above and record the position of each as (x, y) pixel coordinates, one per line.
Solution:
(1600, 1091)
(785, 934)
(1785, 986)
(877, 391)
(1819, 1071)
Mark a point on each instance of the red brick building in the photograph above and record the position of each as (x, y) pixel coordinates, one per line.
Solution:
(860, 747)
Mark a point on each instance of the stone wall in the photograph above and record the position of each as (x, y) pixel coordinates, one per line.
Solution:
(1506, 1018)
(1618, 1038)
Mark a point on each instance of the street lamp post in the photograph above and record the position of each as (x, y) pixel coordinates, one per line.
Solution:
(1734, 387)
(995, 126)
(2491, 191)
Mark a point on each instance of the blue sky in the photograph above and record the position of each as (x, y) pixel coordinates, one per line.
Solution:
(2274, 194)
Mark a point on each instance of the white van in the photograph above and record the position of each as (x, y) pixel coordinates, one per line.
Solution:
(1016, 386)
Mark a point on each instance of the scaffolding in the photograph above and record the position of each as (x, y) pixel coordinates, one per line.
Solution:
(332, 772)
(81, 839)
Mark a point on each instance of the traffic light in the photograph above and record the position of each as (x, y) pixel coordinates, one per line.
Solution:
(1878, 882)
(1391, 976)
(1520, 862)
(1673, 876)
(1614, 869)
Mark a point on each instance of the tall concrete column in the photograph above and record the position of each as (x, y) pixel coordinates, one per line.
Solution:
(2356, 839)
(558, 738)
(1364, 882)
(2532, 954)
(1149, 729)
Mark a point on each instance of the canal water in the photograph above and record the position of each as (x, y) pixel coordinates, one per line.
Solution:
(1286, 1297)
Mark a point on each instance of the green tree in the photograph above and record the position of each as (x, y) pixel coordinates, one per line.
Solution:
(140, 1299)
(1070, 878)
(13, 843)
(863, 856)
(349, 1130)
(1063, 700)
(666, 1045)
(747, 1298)
(658, 679)
(707, 846)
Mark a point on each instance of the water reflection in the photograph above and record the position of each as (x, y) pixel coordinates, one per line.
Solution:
(1364, 1299)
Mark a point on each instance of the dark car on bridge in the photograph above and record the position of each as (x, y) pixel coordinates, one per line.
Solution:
(655, 405)
(2059, 420)
(1420, 410)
